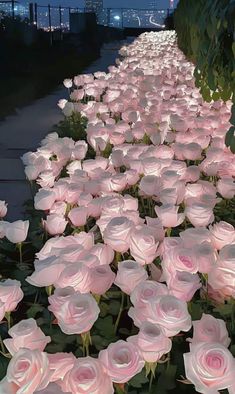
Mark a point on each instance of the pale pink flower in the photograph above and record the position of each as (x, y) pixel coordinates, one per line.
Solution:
(132, 270)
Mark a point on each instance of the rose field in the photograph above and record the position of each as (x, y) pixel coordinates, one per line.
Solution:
(121, 278)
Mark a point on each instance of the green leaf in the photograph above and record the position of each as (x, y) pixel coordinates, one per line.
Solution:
(230, 136)
(232, 119)
(233, 48)
(138, 380)
(114, 307)
(34, 309)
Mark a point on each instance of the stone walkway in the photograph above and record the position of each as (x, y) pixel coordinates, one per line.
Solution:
(23, 132)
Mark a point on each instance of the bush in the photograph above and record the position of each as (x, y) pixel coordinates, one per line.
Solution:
(206, 34)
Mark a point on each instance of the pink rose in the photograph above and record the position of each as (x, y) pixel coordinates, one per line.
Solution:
(2, 310)
(29, 371)
(226, 187)
(151, 342)
(143, 245)
(16, 232)
(26, 334)
(46, 272)
(149, 185)
(121, 360)
(55, 224)
(76, 275)
(87, 376)
(178, 259)
(199, 214)
(60, 364)
(210, 367)
(170, 313)
(222, 276)
(104, 253)
(222, 234)
(132, 270)
(78, 314)
(58, 298)
(206, 257)
(68, 83)
(209, 329)
(147, 290)
(52, 388)
(78, 216)
(168, 215)
(10, 294)
(101, 279)
(117, 233)
(3, 209)
(183, 285)
(44, 199)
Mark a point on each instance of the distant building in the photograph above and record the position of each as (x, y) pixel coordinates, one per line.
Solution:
(94, 6)
(153, 4)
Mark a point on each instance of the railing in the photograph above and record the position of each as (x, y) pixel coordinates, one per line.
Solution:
(51, 18)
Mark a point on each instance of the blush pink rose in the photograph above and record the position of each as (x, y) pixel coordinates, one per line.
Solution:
(209, 329)
(58, 298)
(101, 279)
(104, 253)
(168, 215)
(210, 367)
(117, 233)
(147, 290)
(151, 342)
(10, 294)
(132, 270)
(199, 214)
(143, 245)
(55, 224)
(29, 371)
(2, 310)
(222, 234)
(76, 275)
(17, 232)
(78, 314)
(206, 257)
(180, 259)
(226, 187)
(87, 376)
(183, 285)
(78, 216)
(26, 334)
(60, 364)
(121, 361)
(46, 272)
(170, 313)
(44, 199)
(52, 388)
(3, 209)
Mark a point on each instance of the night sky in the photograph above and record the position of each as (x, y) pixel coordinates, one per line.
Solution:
(107, 3)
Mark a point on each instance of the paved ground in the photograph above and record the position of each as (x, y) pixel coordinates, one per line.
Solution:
(23, 132)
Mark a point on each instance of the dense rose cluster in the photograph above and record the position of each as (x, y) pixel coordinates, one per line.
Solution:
(142, 216)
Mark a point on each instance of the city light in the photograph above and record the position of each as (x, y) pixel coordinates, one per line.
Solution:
(117, 17)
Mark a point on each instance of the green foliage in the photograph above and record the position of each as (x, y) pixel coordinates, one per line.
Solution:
(73, 126)
(206, 34)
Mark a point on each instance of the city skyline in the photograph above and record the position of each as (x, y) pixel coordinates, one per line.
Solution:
(108, 3)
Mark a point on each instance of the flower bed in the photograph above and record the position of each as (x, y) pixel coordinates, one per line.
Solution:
(133, 283)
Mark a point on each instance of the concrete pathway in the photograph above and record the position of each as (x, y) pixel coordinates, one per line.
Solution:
(23, 132)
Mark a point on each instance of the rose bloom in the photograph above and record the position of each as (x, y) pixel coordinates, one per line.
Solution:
(60, 364)
(121, 360)
(10, 294)
(147, 290)
(28, 371)
(68, 83)
(58, 298)
(168, 215)
(117, 233)
(199, 214)
(132, 270)
(3, 209)
(87, 376)
(52, 388)
(222, 234)
(222, 276)
(226, 187)
(46, 271)
(101, 279)
(184, 285)
(170, 313)
(151, 342)
(143, 246)
(44, 199)
(16, 232)
(76, 275)
(209, 329)
(206, 257)
(78, 314)
(210, 367)
(178, 259)
(78, 216)
(2, 310)
(55, 224)
(26, 334)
